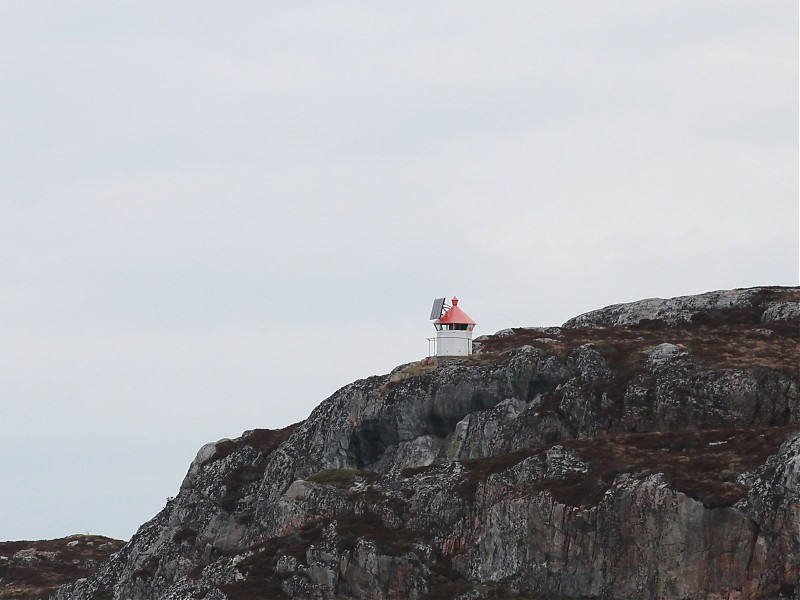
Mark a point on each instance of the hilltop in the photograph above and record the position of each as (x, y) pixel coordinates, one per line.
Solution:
(644, 450)
(31, 570)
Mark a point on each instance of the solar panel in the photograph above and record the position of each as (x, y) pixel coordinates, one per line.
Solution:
(438, 306)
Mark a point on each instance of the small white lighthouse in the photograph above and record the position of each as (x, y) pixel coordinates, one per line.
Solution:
(453, 330)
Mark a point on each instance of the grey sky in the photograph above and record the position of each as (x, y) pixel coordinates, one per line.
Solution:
(214, 215)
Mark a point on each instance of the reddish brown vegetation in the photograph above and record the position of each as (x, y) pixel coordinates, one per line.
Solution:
(50, 564)
(412, 471)
(700, 463)
(774, 345)
(732, 338)
(265, 441)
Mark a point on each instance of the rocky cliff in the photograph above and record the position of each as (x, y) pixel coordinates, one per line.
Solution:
(645, 450)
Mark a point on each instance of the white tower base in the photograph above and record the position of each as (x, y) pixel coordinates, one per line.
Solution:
(453, 343)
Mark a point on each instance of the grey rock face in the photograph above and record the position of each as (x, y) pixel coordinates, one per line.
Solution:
(615, 457)
(782, 311)
(681, 309)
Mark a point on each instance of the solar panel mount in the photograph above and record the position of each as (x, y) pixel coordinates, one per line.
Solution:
(436, 310)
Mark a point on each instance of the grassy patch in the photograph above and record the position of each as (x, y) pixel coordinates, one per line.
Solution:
(409, 371)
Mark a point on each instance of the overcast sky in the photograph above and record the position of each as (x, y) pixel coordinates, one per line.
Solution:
(216, 214)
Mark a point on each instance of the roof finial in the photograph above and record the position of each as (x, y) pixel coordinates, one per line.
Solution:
(455, 301)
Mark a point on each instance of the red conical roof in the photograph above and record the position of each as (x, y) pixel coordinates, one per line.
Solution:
(455, 316)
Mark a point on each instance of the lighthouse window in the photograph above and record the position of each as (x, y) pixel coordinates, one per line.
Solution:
(453, 326)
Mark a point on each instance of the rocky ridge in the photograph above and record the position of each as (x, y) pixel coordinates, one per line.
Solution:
(646, 450)
(31, 570)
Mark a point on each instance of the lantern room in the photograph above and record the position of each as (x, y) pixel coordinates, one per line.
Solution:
(454, 332)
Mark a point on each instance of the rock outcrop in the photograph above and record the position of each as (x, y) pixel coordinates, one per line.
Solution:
(647, 450)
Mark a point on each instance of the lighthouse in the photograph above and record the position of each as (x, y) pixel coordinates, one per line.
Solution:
(453, 330)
